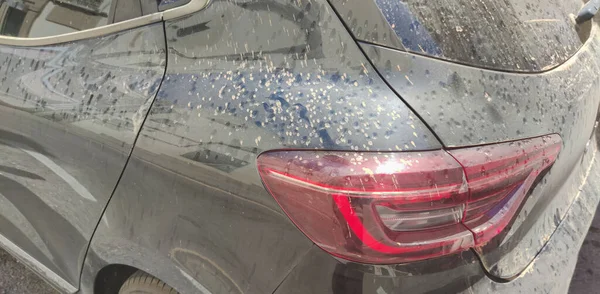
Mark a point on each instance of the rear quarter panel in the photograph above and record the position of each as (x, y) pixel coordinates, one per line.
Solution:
(242, 78)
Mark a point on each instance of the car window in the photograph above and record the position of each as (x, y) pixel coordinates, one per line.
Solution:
(520, 35)
(128, 9)
(509, 35)
(45, 18)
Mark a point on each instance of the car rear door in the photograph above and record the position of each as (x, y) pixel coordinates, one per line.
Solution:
(74, 91)
(482, 72)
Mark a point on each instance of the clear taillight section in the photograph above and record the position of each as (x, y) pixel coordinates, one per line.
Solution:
(405, 206)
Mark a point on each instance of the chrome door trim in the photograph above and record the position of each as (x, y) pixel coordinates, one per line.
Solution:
(191, 7)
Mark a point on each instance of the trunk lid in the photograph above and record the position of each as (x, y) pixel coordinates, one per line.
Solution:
(510, 100)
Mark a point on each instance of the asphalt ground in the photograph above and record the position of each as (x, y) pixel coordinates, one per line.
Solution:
(15, 278)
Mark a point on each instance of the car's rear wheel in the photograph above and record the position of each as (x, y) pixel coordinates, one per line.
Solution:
(141, 282)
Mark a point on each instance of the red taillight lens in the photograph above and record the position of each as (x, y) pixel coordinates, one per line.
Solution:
(499, 178)
(371, 207)
(404, 206)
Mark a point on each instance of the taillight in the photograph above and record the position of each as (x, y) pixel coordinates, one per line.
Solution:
(396, 207)
(499, 177)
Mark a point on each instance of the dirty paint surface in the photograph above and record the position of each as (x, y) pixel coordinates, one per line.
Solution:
(468, 106)
(290, 77)
(552, 270)
(503, 35)
(243, 78)
(69, 114)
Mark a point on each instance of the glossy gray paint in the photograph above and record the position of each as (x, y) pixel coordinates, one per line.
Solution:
(242, 78)
(366, 22)
(246, 77)
(69, 114)
(469, 106)
(288, 76)
(327, 275)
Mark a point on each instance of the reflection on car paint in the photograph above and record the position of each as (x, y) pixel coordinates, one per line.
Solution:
(413, 34)
(506, 35)
(68, 116)
(288, 76)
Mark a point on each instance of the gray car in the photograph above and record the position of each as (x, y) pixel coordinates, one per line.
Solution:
(299, 146)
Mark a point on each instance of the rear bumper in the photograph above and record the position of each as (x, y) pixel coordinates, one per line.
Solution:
(550, 272)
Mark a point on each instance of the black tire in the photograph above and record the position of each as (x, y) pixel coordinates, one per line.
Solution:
(141, 282)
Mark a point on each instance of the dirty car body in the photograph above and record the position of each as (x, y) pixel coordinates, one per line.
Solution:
(306, 146)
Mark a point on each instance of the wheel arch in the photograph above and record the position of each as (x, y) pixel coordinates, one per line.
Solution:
(110, 261)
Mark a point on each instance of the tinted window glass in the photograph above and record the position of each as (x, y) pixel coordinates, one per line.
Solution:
(43, 18)
(168, 4)
(128, 9)
(13, 25)
(521, 35)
